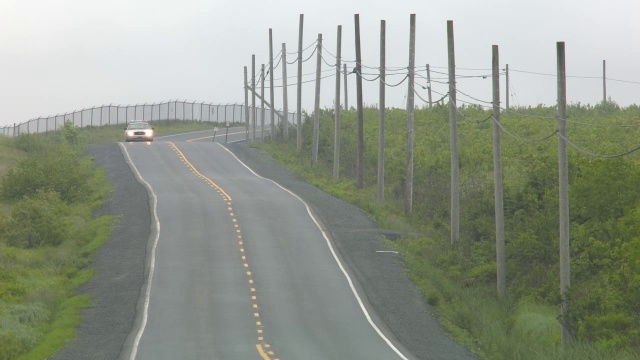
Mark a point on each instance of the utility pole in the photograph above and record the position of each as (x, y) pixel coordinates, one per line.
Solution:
(360, 150)
(346, 97)
(604, 81)
(261, 104)
(429, 85)
(497, 178)
(336, 133)
(316, 108)
(285, 100)
(506, 88)
(246, 104)
(253, 97)
(453, 129)
(563, 171)
(408, 201)
(271, 92)
(299, 99)
(382, 87)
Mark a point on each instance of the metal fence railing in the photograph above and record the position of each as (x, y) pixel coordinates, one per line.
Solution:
(122, 114)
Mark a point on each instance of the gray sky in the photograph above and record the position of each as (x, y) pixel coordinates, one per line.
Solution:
(61, 55)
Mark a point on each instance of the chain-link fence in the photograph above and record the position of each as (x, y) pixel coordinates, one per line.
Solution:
(122, 114)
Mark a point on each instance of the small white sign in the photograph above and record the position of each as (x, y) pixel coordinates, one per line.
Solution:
(215, 129)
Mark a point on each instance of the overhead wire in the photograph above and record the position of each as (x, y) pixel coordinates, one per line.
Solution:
(586, 152)
(575, 76)
(521, 138)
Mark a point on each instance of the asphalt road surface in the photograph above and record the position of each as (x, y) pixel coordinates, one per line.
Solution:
(237, 266)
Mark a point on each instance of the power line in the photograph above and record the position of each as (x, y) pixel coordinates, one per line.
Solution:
(305, 49)
(576, 76)
(520, 138)
(597, 155)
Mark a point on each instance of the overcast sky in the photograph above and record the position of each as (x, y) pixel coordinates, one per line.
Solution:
(61, 55)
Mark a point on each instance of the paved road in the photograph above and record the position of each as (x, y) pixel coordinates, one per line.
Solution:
(241, 269)
(200, 304)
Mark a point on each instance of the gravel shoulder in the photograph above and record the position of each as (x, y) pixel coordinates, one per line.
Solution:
(381, 276)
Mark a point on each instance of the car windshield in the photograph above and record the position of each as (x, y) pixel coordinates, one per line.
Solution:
(139, 126)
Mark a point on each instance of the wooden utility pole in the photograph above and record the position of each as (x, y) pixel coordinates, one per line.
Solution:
(271, 91)
(346, 97)
(336, 133)
(563, 171)
(253, 96)
(299, 99)
(360, 150)
(506, 86)
(408, 200)
(497, 178)
(316, 108)
(383, 51)
(285, 100)
(453, 130)
(429, 85)
(261, 103)
(604, 81)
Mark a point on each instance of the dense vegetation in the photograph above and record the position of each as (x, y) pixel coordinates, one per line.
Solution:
(604, 211)
(47, 238)
(48, 235)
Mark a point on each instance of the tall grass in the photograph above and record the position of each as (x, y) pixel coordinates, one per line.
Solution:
(526, 324)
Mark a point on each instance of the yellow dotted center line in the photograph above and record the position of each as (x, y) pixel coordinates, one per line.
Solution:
(264, 349)
(198, 173)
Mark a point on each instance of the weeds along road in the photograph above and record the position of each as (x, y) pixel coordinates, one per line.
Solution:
(239, 267)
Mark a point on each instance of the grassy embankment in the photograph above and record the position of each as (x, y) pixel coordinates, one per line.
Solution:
(605, 223)
(48, 235)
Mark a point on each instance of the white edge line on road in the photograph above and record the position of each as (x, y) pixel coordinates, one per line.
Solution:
(335, 256)
(152, 262)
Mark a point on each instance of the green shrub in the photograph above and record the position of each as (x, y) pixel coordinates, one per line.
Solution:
(38, 220)
(61, 171)
(10, 347)
(10, 290)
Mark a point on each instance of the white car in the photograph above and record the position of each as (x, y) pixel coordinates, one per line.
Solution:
(138, 131)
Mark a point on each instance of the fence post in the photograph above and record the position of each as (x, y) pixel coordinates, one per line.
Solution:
(453, 130)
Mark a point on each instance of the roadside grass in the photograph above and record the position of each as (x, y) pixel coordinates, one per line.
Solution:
(473, 316)
(39, 305)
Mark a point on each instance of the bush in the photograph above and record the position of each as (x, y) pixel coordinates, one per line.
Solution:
(38, 220)
(59, 170)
